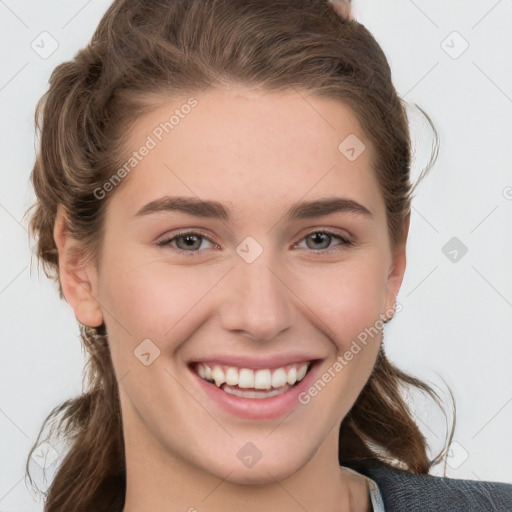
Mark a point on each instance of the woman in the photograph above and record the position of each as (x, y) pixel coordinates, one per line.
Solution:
(223, 197)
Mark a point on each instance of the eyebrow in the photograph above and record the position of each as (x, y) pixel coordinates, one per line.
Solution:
(214, 209)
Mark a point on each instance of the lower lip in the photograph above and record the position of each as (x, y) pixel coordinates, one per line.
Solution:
(258, 408)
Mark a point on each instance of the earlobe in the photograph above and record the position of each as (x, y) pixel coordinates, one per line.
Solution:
(77, 280)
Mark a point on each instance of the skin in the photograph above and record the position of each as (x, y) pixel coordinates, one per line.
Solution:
(257, 153)
(343, 8)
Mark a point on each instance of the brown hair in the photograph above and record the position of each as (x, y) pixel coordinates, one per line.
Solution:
(144, 51)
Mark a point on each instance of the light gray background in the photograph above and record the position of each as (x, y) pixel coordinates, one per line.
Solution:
(456, 320)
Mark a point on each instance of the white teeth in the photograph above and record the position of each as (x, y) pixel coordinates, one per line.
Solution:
(246, 378)
(262, 379)
(231, 376)
(301, 372)
(252, 394)
(291, 378)
(218, 376)
(279, 378)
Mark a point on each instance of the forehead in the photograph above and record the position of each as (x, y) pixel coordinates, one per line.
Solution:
(240, 144)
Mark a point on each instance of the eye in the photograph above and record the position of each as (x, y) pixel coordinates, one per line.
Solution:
(190, 241)
(323, 239)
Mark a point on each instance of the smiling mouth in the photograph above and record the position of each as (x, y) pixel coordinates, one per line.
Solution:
(253, 383)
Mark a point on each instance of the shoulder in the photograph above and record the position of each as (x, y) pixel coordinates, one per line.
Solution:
(405, 491)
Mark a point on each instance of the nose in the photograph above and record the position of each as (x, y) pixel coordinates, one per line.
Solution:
(257, 299)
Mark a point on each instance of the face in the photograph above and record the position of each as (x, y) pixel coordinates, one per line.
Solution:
(252, 291)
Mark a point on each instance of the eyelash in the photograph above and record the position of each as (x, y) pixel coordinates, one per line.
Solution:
(167, 242)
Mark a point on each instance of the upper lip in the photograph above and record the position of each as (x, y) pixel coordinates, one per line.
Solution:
(244, 361)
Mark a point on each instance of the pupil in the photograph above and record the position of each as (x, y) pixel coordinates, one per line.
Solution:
(189, 240)
(316, 237)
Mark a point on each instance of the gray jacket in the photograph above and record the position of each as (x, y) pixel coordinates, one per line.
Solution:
(403, 491)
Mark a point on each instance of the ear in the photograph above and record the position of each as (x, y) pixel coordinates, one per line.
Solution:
(343, 8)
(78, 280)
(397, 270)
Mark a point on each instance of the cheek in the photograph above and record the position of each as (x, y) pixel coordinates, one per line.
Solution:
(349, 309)
(153, 299)
(347, 299)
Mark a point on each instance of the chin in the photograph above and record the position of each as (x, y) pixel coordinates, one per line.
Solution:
(265, 471)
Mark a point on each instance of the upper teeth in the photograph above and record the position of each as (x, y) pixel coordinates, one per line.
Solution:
(256, 379)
